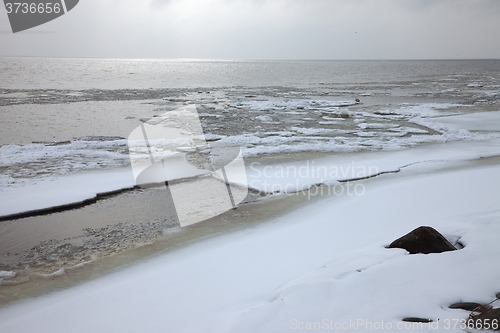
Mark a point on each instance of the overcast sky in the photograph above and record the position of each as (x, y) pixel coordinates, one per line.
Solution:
(265, 29)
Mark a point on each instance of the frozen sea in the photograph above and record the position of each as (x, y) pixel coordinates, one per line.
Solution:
(65, 116)
(65, 124)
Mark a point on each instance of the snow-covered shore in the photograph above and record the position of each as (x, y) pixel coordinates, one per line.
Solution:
(325, 262)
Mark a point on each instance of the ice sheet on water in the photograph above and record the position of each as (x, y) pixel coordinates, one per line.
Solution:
(324, 128)
(315, 131)
(291, 104)
(427, 110)
(30, 163)
(7, 274)
(376, 126)
(348, 131)
(264, 118)
(45, 192)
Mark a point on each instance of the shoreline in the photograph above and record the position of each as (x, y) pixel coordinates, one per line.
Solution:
(170, 238)
(144, 267)
(165, 238)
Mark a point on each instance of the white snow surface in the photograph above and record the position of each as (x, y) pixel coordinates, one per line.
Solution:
(300, 175)
(324, 262)
(63, 190)
(482, 121)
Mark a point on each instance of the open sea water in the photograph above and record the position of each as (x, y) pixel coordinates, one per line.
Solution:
(83, 74)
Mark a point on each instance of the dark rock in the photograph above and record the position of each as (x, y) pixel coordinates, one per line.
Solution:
(489, 319)
(423, 240)
(417, 320)
(469, 306)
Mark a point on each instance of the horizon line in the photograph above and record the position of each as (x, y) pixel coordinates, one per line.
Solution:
(242, 59)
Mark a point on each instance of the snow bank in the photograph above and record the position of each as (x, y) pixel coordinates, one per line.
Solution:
(294, 176)
(324, 261)
(63, 190)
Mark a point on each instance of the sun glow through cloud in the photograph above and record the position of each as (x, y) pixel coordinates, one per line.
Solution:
(264, 29)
